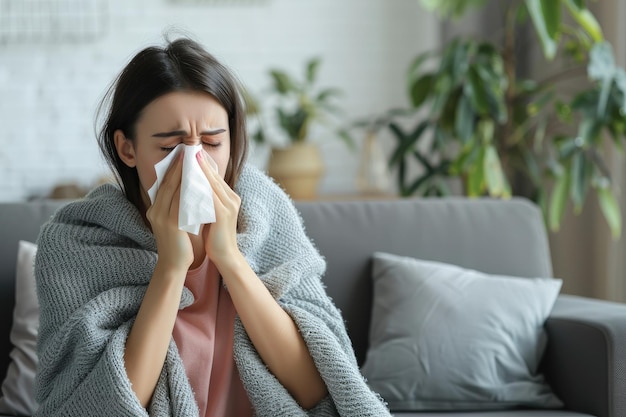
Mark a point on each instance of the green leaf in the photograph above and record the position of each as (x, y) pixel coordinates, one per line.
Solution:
(546, 17)
(440, 139)
(527, 86)
(494, 88)
(419, 181)
(405, 142)
(580, 177)
(347, 139)
(485, 131)
(460, 61)
(540, 134)
(293, 123)
(585, 19)
(602, 68)
(589, 132)
(488, 51)
(616, 128)
(282, 82)
(495, 180)
(563, 111)
(451, 8)
(441, 91)
(464, 120)
(542, 202)
(476, 176)
(428, 167)
(421, 89)
(521, 15)
(414, 71)
(567, 147)
(402, 177)
(532, 166)
(465, 159)
(536, 106)
(447, 115)
(476, 92)
(259, 136)
(327, 94)
(312, 69)
(551, 11)
(611, 210)
(620, 83)
(558, 200)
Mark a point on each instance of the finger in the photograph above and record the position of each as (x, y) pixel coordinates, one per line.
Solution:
(171, 181)
(215, 179)
(212, 176)
(204, 165)
(223, 194)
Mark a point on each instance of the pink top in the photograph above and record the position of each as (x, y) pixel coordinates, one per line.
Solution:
(204, 336)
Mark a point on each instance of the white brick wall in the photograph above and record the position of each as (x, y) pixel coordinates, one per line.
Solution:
(49, 92)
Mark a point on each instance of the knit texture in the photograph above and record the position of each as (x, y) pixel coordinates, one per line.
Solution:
(95, 258)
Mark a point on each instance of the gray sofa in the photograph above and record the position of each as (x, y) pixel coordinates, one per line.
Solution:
(585, 360)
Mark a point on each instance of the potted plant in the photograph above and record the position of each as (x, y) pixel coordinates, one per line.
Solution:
(506, 134)
(295, 107)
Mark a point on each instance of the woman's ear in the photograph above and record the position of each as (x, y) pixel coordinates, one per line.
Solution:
(125, 148)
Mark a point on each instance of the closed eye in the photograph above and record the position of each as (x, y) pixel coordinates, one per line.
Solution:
(212, 145)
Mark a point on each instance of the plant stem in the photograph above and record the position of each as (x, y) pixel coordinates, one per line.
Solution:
(509, 62)
(571, 72)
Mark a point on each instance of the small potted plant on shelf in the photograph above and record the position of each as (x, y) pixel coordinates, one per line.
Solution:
(292, 108)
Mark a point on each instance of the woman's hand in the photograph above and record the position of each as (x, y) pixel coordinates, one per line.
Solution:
(149, 338)
(272, 331)
(173, 245)
(220, 238)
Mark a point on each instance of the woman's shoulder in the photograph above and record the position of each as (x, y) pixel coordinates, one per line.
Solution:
(256, 183)
(262, 194)
(98, 203)
(103, 214)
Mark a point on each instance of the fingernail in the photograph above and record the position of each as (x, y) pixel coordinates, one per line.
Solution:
(199, 156)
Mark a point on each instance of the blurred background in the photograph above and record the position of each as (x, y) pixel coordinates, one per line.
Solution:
(58, 57)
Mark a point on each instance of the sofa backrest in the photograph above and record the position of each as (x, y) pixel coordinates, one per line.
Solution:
(18, 221)
(493, 236)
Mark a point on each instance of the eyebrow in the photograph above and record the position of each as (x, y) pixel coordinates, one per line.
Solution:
(184, 133)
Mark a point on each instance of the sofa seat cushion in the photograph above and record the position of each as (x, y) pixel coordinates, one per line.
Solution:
(448, 338)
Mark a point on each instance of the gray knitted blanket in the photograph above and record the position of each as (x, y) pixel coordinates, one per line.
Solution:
(95, 258)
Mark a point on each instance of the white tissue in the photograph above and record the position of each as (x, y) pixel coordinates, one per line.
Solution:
(196, 195)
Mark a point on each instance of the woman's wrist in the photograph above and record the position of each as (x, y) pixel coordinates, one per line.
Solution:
(229, 264)
(170, 271)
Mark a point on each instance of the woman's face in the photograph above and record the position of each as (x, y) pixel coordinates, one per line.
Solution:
(192, 118)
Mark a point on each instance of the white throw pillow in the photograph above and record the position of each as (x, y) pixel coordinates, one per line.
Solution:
(18, 386)
(448, 338)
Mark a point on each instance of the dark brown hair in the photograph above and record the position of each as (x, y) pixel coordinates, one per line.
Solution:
(181, 65)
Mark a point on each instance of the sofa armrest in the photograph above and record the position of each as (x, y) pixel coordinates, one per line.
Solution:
(585, 360)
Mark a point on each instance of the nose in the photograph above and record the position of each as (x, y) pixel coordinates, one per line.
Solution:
(192, 139)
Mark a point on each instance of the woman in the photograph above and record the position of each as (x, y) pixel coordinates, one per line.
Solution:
(141, 318)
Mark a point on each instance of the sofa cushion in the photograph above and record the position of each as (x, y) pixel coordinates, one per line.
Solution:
(18, 386)
(443, 337)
